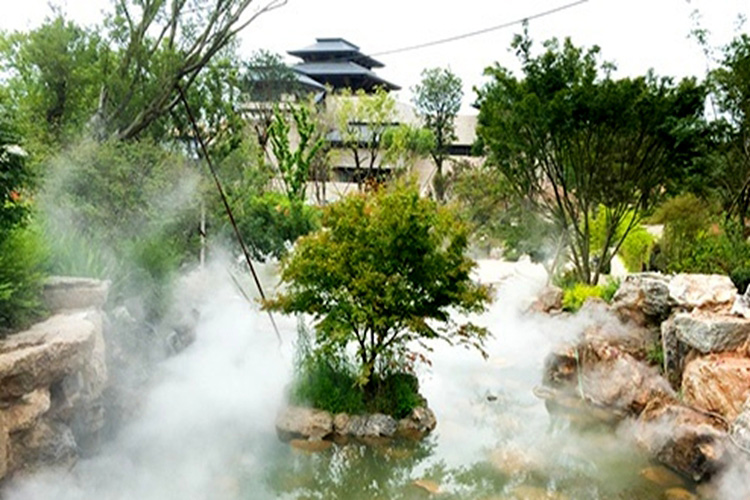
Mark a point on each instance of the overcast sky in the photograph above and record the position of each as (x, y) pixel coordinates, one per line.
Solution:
(635, 34)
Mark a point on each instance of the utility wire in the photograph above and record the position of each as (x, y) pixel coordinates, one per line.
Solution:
(227, 208)
(479, 32)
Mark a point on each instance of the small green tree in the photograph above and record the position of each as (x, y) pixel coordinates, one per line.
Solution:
(437, 99)
(384, 271)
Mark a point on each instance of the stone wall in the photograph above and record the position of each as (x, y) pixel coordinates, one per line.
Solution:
(51, 380)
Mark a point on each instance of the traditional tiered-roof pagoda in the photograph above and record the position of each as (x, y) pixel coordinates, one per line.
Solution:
(340, 64)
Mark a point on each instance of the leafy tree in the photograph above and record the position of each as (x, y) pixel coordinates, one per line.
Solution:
(54, 75)
(572, 142)
(437, 99)
(386, 269)
(160, 47)
(731, 175)
(294, 163)
(361, 121)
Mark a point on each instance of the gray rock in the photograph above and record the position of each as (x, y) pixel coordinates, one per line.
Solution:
(643, 298)
(420, 422)
(371, 426)
(23, 413)
(46, 353)
(66, 293)
(675, 353)
(711, 332)
(741, 306)
(549, 299)
(47, 443)
(701, 291)
(740, 429)
(297, 422)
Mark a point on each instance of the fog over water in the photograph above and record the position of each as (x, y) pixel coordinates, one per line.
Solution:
(206, 428)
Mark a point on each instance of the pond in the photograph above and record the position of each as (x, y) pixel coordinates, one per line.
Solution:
(206, 428)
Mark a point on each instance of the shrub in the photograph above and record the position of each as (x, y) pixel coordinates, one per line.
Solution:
(22, 259)
(575, 296)
(636, 249)
(741, 278)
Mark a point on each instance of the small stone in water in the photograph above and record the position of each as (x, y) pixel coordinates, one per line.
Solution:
(427, 485)
(662, 476)
(679, 494)
(311, 446)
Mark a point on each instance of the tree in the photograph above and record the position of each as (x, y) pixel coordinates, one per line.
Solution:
(294, 164)
(163, 46)
(731, 83)
(438, 99)
(386, 269)
(361, 121)
(574, 142)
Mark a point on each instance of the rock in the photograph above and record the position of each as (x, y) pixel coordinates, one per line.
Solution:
(740, 429)
(675, 353)
(23, 413)
(420, 422)
(48, 443)
(549, 299)
(625, 384)
(512, 461)
(643, 299)
(741, 306)
(560, 366)
(296, 422)
(310, 446)
(340, 422)
(4, 451)
(718, 383)
(428, 485)
(711, 332)
(66, 293)
(678, 494)
(702, 291)
(371, 426)
(682, 438)
(45, 353)
(662, 476)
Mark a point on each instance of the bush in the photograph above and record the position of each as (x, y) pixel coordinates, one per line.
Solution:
(741, 278)
(636, 249)
(328, 381)
(575, 296)
(22, 259)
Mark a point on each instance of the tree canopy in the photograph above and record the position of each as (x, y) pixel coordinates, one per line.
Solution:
(574, 142)
(386, 269)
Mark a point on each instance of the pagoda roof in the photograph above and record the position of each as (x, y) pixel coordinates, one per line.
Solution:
(344, 74)
(334, 50)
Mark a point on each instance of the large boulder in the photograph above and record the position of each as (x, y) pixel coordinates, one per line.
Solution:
(688, 441)
(549, 299)
(719, 383)
(46, 353)
(297, 422)
(709, 332)
(63, 293)
(420, 422)
(370, 426)
(675, 352)
(701, 291)
(24, 412)
(48, 443)
(643, 299)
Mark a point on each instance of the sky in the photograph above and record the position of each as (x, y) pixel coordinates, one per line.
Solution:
(634, 34)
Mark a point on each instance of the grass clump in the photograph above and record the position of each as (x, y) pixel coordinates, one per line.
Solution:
(575, 295)
(329, 381)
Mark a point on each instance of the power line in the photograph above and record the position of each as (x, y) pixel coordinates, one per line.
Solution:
(479, 32)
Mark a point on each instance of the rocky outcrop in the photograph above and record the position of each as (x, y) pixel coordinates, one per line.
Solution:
(51, 380)
(701, 291)
(549, 299)
(718, 383)
(610, 373)
(643, 298)
(296, 422)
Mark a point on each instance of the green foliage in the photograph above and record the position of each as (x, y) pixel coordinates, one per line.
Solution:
(271, 223)
(741, 277)
(636, 249)
(386, 269)
(575, 296)
(122, 211)
(573, 141)
(294, 163)
(437, 99)
(655, 354)
(22, 260)
(328, 381)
